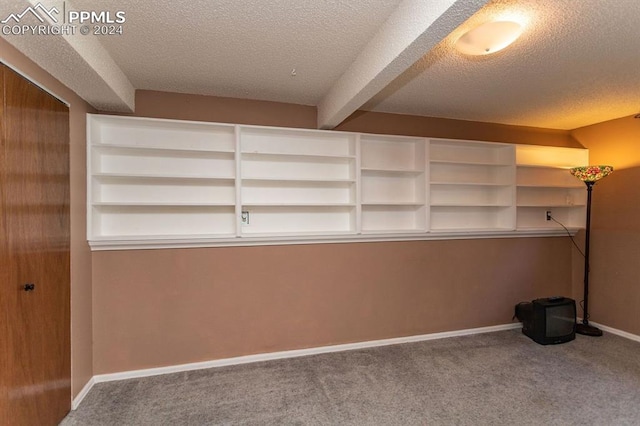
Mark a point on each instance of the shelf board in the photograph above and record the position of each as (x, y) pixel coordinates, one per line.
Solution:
(295, 155)
(140, 176)
(392, 203)
(295, 235)
(408, 231)
(159, 149)
(545, 166)
(156, 204)
(527, 185)
(572, 229)
(327, 205)
(555, 206)
(469, 205)
(389, 171)
(471, 230)
(470, 163)
(470, 183)
(154, 238)
(294, 180)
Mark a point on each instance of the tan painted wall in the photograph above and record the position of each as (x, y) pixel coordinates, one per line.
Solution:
(164, 307)
(81, 297)
(614, 282)
(411, 125)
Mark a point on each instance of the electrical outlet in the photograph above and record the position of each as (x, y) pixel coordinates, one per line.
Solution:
(244, 217)
(548, 214)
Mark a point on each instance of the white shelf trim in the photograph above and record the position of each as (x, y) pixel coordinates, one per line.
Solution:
(319, 238)
(160, 149)
(141, 176)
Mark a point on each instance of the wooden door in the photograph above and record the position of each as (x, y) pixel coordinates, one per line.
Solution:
(35, 269)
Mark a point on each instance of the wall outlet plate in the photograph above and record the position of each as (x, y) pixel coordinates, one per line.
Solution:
(244, 217)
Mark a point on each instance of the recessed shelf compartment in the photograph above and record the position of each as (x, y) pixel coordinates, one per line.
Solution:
(535, 217)
(456, 218)
(471, 186)
(392, 153)
(551, 196)
(479, 174)
(120, 189)
(160, 133)
(256, 166)
(255, 191)
(272, 220)
(469, 195)
(391, 218)
(156, 162)
(392, 187)
(469, 152)
(544, 184)
(539, 176)
(551, 157)
(148, 221)
(279, 141)
(393, 184)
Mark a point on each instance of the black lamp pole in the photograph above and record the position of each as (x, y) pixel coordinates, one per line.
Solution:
(585, 328)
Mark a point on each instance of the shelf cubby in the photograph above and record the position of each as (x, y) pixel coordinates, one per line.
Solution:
(160, 133)
(279, 141)
(471, 218)
(122, 189)
(393, 218)
(296, 167)
(471, 185)
(544, 184)
(256, 191)
(270, 220)
(127, 221)
(392, 184)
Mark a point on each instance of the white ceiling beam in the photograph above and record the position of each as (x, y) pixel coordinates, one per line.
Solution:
(413, 29)
(80, 62)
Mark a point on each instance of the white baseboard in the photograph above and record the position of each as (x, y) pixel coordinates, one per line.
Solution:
(100, 378)
(617, 332)
(75, 402)
(295, 353)
(306, 352)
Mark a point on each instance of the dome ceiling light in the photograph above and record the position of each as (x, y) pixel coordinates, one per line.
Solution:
(489, 38)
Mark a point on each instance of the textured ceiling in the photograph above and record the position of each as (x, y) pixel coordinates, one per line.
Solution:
(574, 65)
(244, 49)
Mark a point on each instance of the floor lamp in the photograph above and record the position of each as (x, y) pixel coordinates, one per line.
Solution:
(589, 175)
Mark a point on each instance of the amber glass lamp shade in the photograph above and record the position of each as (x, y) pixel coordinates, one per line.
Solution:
(591, 173)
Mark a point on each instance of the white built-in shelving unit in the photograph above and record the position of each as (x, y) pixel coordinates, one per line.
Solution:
(392, 184)
(169, 183)
(544, 184)
(471, 186)
(155, 178)
(297, 182)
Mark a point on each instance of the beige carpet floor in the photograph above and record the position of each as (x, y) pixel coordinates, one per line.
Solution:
(501, 378)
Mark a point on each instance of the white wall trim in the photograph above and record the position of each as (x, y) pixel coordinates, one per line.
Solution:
(147, 244)
(124, 375)
(75, 402)
(617, 332)
(295, 353)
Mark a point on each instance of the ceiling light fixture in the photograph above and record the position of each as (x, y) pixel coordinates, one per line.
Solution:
(489, 38)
